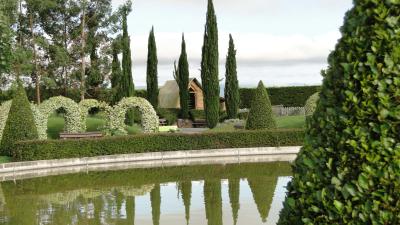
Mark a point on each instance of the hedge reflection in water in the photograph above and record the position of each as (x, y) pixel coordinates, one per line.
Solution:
(112, 197)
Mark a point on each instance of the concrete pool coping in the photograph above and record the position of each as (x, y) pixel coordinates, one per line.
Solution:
(30, 169)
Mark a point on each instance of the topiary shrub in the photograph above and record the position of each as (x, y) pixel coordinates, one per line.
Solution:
(311, 104)
(348, 171)
(260, 115)
(149, 116)
(20, 124)
(88, 104)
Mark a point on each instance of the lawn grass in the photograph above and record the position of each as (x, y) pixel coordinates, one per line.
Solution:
(281, 122)
(55, 125)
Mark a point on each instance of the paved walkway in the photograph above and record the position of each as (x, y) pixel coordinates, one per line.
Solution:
(192, 130)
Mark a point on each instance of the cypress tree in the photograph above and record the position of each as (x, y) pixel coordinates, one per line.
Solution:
(20, 124)
(213, 201)
(260, 115)
(183, 80)
(209, 68)
(186, 193)
(232, 97)
(127, 86)
(348, 171)
(152, 79)
(116, 72)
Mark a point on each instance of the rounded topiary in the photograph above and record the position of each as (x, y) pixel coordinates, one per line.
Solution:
(150, 120)
(311, 104)
(87, 104)
(20, 124)
(348, 171)
(73, 123)
(260, 115)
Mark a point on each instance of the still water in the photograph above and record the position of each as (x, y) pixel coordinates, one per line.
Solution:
(242, 194)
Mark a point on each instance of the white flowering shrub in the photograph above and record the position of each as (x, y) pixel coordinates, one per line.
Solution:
(4, 110)
(150, 120)
(72, 115)
(40, 122)
(87, 104)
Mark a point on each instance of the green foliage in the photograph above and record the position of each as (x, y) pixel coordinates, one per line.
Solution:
(182, 78)
(127, 86)
(197, 114)
(287, 96)
(348, 170)
(56, 149)
(152, 74)
(311, 104)
(209, 68)
(232, 98)
(5, 44)
(20, 123)
(234, 192)
(171, 115)
(155, 199)
(260, 115)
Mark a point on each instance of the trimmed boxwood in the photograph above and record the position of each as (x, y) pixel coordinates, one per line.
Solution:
(58, 149)
(286, 96)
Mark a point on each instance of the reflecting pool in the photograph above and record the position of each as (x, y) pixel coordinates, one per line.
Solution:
(242, 194)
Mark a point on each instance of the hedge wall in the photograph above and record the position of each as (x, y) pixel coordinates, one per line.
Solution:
(287, 96)
(58, 149)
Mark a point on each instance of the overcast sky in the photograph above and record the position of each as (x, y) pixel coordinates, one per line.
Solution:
(282, 42)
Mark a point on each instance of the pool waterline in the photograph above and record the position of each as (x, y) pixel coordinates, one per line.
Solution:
(203, 194)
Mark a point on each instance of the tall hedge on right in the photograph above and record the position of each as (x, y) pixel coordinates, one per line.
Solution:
(260, 115)
(348, 171)
(20, 124)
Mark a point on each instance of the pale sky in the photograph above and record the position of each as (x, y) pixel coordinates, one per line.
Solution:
(282, 42)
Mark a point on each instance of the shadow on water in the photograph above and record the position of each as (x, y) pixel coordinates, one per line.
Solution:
(207, 194)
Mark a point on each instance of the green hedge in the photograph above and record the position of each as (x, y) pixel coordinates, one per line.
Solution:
(287, 96)
(58, 149)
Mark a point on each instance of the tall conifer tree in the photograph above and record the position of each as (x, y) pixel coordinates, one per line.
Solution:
(128, 87)
(152, 74)
(183, 80)
(209, 68)
(232, 98)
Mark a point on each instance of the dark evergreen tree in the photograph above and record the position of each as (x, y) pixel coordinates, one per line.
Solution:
(209, 68)
(234, 192)
(260, 115)
(182, 78)
(155, 198)
(130, 210)
(20, 124)
(348, 170)
(116, 72)
(127, 86)
(152, 74)
(232, 96)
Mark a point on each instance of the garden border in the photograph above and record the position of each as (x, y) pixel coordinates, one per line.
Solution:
(10, 171)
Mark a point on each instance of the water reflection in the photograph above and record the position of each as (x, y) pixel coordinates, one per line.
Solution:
(210, 194)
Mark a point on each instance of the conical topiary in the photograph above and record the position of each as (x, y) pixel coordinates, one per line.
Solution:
(348, 171)
(260, 115)
(20, 123)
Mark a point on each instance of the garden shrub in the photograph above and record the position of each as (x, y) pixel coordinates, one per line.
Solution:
(149, 116)
(171, 115)
(73, 121)
(348, 171)
(197, 114)
(311, 104)
(260, 115)
(58, 149)
(20, 124)
(286, 96)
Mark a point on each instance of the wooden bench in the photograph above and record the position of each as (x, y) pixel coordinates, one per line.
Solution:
(86, 135)
(163, 122)
(199, 123)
